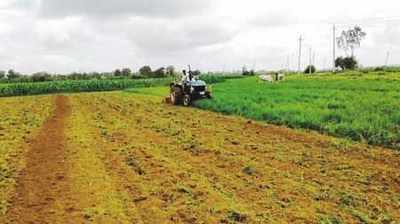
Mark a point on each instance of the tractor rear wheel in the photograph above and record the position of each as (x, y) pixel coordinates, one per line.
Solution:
(176, 96)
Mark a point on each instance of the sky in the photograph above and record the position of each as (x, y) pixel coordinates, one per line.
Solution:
(62, 36)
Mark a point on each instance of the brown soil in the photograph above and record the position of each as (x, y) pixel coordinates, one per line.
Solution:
(43, 192)
(127, 158)
(192, 166)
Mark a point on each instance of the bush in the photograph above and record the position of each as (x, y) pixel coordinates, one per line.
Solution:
(310, 69)
(379, 69)
(347, 63)
(248, 73)
(214, 78)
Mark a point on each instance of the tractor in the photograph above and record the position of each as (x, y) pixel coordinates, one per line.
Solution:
(188, 90)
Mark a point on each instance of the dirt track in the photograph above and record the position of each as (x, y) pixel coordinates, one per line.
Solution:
(125, 158)
(43, 191)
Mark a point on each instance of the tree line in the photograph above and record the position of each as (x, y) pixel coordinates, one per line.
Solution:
(123, 73)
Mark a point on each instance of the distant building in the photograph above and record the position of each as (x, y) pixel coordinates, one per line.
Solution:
(272, 77)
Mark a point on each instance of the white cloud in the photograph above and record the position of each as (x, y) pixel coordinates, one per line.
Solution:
(105, 8)
(64, 33)
(167, 37)
(88, 35)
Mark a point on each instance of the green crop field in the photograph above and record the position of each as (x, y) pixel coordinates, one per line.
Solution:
(33, 88)
(94, 85)
(360, 106)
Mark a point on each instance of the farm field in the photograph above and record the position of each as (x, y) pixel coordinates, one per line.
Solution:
(72, 86)
(94, 85)
(125, 157)
(355, 105)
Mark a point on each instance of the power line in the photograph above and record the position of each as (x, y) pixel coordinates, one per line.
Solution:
(366, 21)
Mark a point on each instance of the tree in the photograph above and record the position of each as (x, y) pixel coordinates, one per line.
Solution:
(11, 74)
(170, 70)
(146, 71)
(126, 72)
(351, 39)
(2, 74)
(339, 63)
(196, 73)
(310, 69)
(346, 63)
(41, 77)
(244, 71)
(159, 72)
(117, 72)
(94, 75)
(77, 76)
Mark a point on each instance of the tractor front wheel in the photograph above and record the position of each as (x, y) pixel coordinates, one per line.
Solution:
(187, 100)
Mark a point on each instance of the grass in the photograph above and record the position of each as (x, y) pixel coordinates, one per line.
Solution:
(356, 105)
(153, 91)
(23, 89)
(215, 78)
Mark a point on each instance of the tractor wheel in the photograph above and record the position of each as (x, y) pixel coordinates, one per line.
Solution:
(187, 100)
(176, 96)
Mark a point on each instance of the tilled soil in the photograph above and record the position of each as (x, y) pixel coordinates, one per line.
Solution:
(128, 158)
(43, 192)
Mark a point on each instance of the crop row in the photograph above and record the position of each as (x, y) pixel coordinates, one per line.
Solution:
(23, 89)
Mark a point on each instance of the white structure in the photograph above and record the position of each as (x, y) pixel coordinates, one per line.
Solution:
(273, 77)
(267, 78)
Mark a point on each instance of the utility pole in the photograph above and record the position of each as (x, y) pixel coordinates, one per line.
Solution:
(387, 58)
(309, 67)
(300, 42)
(334, 47)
